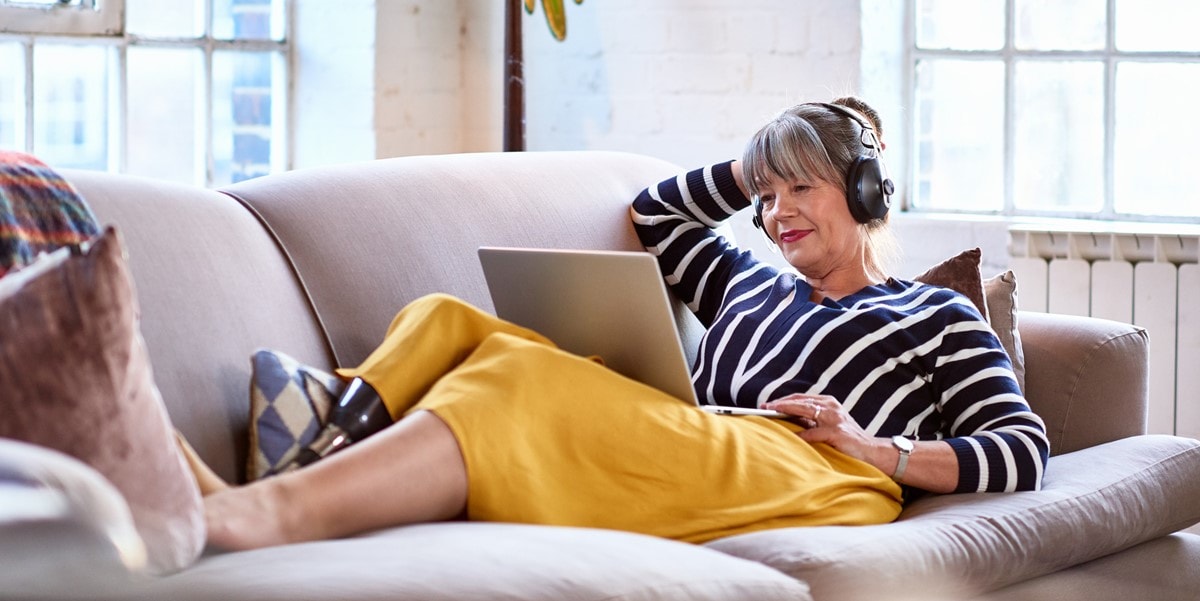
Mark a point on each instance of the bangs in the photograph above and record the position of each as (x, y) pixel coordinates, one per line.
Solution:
(787, 149)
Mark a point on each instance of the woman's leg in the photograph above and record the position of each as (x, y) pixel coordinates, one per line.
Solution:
(412, 472)
(429, 337)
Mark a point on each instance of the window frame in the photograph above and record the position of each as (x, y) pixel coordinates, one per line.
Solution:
(120, 41)
(89, 17)
(1110, 56)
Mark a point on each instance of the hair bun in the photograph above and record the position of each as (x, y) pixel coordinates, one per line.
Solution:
(861, 107)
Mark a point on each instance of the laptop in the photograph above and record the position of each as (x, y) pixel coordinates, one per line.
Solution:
(608, 303)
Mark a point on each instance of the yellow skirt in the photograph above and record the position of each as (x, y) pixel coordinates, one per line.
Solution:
(552, 438)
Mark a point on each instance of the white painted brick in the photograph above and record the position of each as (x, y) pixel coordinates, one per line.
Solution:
(636, 32)
(632, 75)
(752, 32)
(701, 73)
(637, 114)
(696, 32)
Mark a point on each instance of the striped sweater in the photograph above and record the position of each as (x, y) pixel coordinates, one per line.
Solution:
(902, 357)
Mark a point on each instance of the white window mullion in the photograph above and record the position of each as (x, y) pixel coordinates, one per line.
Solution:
(29, 115)
(1110, 110)
(1008, 53)
(118, 134)
(209, 160)
(290, 71)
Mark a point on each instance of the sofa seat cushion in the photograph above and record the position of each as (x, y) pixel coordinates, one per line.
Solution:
(1093, 502)
(484, 561)
(1163, 569)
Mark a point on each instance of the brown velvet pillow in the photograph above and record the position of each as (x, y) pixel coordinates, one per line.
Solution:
(961, 274)
(995, 298)
(76, 378)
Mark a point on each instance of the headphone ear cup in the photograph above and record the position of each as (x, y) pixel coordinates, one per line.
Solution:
(757, 220)
(868, 192)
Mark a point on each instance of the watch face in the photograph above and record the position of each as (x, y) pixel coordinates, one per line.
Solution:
(902, 443)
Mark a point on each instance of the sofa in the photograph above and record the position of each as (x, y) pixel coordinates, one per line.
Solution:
(315, 263)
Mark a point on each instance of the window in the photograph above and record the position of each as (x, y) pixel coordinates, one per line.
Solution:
(1071, 108)
(61, 16)
(194, 91)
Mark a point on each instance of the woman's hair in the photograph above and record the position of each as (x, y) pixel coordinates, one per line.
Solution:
(812, 142)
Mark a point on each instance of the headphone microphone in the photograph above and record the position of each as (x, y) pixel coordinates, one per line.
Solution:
(868, 188)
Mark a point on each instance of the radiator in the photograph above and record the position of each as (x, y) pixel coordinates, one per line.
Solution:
(1145, 276)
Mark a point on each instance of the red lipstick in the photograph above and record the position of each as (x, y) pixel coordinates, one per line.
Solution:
(793, 235)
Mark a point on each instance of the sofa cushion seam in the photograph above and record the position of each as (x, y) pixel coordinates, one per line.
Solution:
(308, 298)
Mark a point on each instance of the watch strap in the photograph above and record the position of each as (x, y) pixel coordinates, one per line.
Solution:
(904, 447)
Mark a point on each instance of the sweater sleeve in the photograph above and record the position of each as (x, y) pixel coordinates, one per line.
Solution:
(1001, 444)
(674, 221)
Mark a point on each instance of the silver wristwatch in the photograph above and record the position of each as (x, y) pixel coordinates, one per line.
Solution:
(905, 446)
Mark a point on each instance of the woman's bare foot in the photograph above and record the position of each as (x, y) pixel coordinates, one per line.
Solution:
(249, 517)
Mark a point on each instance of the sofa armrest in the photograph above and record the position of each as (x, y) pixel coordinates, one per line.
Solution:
(1093, 502)
(65, 531)
(1088, 378)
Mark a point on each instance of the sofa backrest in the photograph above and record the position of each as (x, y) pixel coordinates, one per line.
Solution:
(212, 286)
(368, 238)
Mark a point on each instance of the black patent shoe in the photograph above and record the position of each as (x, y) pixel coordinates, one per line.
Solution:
(359, 413)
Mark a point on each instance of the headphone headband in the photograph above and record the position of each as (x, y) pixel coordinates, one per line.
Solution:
(868, 128)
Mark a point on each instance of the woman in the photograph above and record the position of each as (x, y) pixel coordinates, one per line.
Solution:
(497, 424)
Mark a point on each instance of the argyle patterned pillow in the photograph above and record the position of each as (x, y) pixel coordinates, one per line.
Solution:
(289, 403)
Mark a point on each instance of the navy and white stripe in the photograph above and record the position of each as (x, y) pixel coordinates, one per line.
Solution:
(902, 357)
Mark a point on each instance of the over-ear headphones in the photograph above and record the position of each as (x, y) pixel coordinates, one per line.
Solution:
(868, 189)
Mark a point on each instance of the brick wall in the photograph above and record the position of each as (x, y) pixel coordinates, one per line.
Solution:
(684, 80)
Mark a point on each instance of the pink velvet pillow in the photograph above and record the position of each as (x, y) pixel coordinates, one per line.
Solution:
(76, 378)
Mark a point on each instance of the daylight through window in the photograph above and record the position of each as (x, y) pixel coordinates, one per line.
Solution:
(1074, 108)
(195, 91)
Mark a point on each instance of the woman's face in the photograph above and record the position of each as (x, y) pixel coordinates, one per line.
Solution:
(812, 225)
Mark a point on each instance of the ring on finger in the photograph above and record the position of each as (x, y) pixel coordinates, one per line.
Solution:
(817, 415)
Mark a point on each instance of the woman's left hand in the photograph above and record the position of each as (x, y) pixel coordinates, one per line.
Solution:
(826, 421)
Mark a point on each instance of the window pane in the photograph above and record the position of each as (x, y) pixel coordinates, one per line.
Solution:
(165, 18)
(12, 96)
(248, 19)
(248, 118)
(163, 105)
(1060, 25)
(70, 87)
(960, 24)
(960, 135)
(1156, 138)
(1157, 25)
(1059, 149)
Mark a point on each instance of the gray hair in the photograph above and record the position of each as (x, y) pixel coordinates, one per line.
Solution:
(809, 142)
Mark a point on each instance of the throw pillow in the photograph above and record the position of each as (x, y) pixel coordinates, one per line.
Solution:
(39, 211)
(961, 274)
(1001, 293)
(76, 378)
(289, 403)
(994, 297)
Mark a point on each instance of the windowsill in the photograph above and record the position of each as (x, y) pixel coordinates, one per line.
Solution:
(1057, 224)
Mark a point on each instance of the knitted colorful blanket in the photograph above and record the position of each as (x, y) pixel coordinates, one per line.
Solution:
(39, 211)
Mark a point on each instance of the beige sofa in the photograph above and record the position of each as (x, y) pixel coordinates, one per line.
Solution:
(315, 263)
